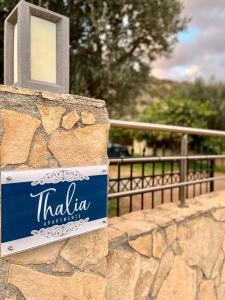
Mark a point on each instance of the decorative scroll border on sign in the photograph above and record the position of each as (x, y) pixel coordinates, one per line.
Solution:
(60, 230)
(61, 176)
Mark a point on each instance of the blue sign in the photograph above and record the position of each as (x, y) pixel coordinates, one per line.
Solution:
(43, 206)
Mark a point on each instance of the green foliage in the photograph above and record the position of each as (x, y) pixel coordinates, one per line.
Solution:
(178, 112)
(121, 136)
(113, 43)
(214, 93)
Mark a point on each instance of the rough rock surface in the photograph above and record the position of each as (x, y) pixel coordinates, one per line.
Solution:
(206, 243)
(39, 155)
(42, 255)
(168, 253)
(36, 285)
(88, 118)
(123, 272)
(143, 245)
(18, 131)
(83, 146)
(86, 250)
(70, 119)
(207, 291)
(180, 283)
(51, 117)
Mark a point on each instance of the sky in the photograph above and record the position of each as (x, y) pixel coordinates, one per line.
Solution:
(200, 51)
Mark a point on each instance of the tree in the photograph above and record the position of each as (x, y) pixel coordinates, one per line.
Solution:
(214, 93)
(113, 43)
(179, 112)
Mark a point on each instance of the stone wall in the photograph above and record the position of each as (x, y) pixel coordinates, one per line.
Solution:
(168, 253)
(45, 130)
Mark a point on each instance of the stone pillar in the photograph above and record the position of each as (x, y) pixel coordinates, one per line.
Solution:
(45, 130)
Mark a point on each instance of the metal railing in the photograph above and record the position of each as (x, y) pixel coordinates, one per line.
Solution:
(184, 176)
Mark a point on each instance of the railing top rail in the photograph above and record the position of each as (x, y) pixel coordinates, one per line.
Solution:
(163, 158)
(168, 128)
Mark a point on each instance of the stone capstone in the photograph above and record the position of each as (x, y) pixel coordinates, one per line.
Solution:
(133, 228)
(18, 90)
(80, 146)
(51, 117)
(18, 131)
(86, 249)
(70, 119)
(35, 285)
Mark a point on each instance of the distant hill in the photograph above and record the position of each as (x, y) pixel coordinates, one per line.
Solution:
(156, 89)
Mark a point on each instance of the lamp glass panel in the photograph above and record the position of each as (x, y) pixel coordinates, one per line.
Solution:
(15, 57)
(43, 50)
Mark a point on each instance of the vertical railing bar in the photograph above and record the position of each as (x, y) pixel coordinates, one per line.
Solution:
(194, 173)
(153, 184)
(142, 184)
(118, 189)
(171, 174)
(163, 175)
(187, 190)
(183, 169)
(207, 175)
(201, 174)
(131, 186)
(212, 174)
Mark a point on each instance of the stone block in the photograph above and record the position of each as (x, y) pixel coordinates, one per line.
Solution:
(200, 241)
(180, 283)
(18, 131)
(142, 244)
(115, 235)
(207, 291)
(219, 214)
(42, 255)
(133, 228)
(159, 244)
(39, 155)
(83, 146)
(70, 119)
(87, 118)
(61, 267)
(163, 270)
(123, 273)
(148, 269)
(51, 117)
(36, 285)
(87, 249)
